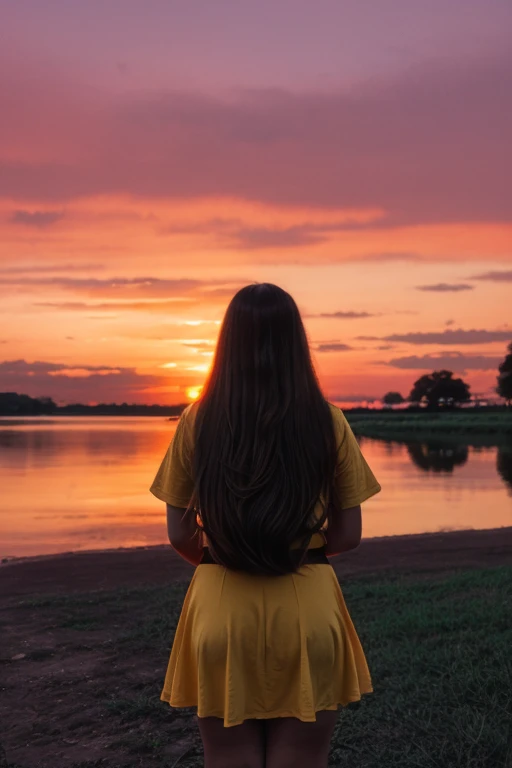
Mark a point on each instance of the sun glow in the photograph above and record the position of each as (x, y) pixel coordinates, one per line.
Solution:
(193, 392)
(202, 368)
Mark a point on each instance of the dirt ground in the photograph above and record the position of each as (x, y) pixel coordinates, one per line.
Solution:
(66, 688)
(112, 568)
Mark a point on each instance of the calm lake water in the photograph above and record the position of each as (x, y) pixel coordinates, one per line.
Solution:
(71, 484)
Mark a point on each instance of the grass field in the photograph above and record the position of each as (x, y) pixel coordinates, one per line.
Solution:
(483, 427)
(438, 649)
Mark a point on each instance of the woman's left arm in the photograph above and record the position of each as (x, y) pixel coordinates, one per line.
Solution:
(184, 535)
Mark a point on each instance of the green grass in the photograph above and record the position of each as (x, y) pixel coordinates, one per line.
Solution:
(439, 654)
(481, 427)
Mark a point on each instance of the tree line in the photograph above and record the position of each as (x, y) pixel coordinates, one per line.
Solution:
(436, 389)
(441, 389)
(13, 404)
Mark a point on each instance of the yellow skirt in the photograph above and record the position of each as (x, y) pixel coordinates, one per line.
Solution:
(251, 646)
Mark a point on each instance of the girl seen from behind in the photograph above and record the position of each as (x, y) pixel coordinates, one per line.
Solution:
(263, 481)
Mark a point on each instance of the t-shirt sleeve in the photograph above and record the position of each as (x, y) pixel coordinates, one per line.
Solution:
(354, 480)
(173, 482)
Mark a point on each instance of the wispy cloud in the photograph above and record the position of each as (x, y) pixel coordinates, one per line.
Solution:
(455, 361)
(37, 219)
(263, 237)
(342, 315)
(385, 256)
(10, 367)
(238, 234)
(504, 276)
(30, 269)
(157, 305)
(333, 347)
(458, 336)
(199, 345)
(445, 287)
(123, 289)
(122, 286)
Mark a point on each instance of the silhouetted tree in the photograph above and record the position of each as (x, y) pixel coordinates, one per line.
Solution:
(437, 456)
(504, 465)
(439, 388)
(393, 398)
(13, 404)
(504, 388)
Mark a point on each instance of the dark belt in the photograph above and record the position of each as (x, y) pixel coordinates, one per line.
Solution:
(314, 556)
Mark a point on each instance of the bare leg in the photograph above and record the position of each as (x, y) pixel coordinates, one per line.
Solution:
(294, 744)
(239, 746)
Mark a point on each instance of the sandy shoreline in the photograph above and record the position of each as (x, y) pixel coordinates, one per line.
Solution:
(14, 559)
(426, 553)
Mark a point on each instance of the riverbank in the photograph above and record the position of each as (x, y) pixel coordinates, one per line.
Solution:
(86, 639)
(107, 569)
(472, 427)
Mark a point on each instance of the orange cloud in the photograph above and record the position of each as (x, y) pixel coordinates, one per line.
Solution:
(144, 212)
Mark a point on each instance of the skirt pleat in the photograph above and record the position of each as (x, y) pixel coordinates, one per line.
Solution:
(251, 646)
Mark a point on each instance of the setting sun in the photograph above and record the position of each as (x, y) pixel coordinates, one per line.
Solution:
(193, 392)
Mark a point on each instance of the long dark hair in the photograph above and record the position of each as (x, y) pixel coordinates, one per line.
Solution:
(264, 447)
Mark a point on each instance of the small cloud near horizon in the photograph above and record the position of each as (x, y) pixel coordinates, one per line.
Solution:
(504, 276)
(37, 219)
(29, 269)
(341, 315)
(449, 336)
(455, 361)
(442, 287)
(333, 347)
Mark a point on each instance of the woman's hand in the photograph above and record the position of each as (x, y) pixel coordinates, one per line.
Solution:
(344, 531)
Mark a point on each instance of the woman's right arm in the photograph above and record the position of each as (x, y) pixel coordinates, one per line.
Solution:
(344, 531)
(354, 482)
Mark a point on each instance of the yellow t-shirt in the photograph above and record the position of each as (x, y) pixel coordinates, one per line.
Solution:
(174, 484)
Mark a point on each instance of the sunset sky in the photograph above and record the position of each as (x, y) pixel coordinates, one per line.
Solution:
(156, 156)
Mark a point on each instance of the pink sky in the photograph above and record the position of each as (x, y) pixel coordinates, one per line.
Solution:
(155, 157)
